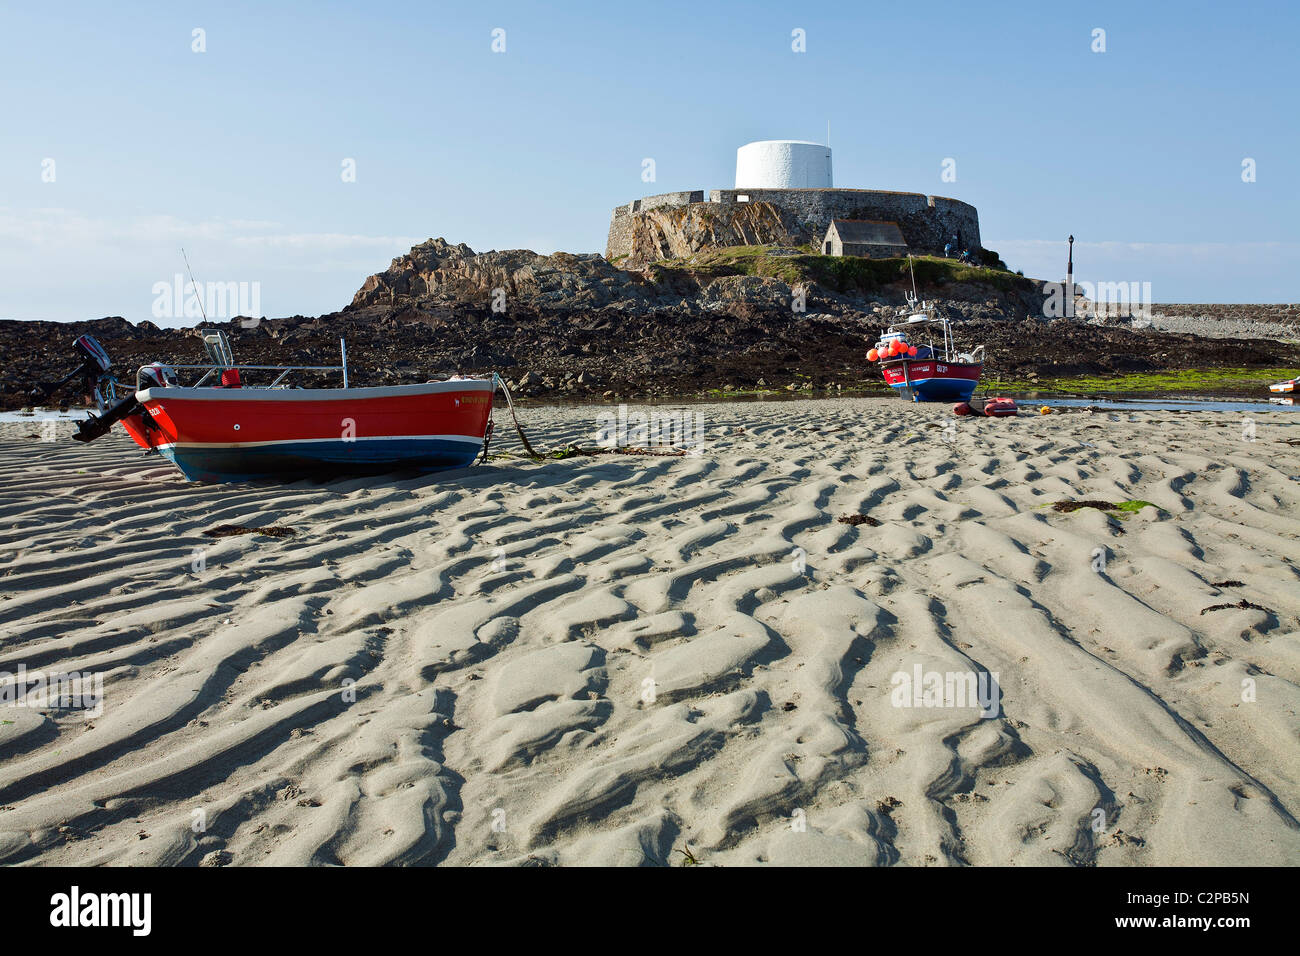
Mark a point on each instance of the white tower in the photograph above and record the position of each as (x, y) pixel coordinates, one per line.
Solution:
(783, 164)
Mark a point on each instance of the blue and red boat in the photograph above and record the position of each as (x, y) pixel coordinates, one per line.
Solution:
(230, 431)
(918, 358)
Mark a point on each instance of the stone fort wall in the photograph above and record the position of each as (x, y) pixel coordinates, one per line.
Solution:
(927, 222)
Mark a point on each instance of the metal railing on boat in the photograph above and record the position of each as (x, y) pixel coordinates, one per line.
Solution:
(284, 370)
(218, 348)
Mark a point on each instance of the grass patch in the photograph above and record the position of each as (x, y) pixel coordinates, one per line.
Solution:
(843, 274)
(741, 392)
(852, 274)
(1173, 380)
(1136, 505)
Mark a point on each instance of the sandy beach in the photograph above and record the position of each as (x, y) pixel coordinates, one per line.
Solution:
(632, 660)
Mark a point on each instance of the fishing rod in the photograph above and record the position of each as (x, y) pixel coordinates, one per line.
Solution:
(194, 285)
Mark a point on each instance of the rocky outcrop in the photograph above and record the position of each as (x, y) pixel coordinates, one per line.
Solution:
(676, 233)
(438, 273)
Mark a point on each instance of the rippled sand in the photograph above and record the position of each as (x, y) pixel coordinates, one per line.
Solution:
(610, 660)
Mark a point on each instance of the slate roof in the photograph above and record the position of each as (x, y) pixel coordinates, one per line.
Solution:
(868, 232)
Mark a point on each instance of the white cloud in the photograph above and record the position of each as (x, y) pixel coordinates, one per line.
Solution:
(60, 264)
(325, 240)
(65, 227)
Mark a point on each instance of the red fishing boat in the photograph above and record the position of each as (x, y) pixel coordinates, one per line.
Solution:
(921, 370)
(923, 366)
(222, 429)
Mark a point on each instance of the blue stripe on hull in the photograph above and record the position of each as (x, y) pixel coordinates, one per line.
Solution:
(303, 459)
(939, 390)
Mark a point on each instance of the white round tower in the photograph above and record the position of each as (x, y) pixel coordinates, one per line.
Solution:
(783, 164)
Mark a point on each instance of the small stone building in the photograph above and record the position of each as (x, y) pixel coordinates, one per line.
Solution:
(870, 238)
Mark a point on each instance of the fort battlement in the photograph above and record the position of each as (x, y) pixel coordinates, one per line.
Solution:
(927, 222)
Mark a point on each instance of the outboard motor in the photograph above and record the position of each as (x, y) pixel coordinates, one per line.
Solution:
(94, 365)
(94, 372)
(113, 409)
(95, 359)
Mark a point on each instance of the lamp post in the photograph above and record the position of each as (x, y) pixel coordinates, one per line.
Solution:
(1069, 283)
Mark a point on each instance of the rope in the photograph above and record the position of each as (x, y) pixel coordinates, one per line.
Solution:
(572, 449)
(518, 428)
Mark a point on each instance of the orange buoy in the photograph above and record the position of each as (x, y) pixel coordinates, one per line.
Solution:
(872, 355)
(911, 352)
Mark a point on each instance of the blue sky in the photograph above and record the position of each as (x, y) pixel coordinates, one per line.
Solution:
(236, 153)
